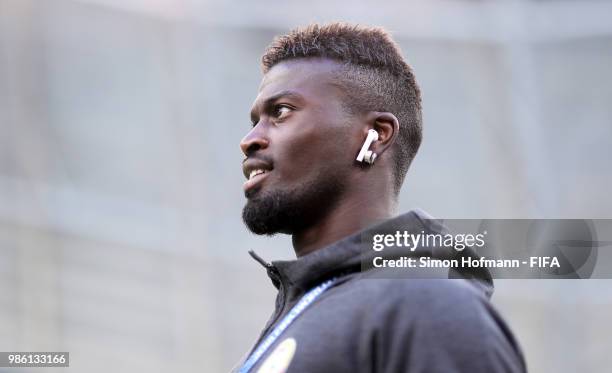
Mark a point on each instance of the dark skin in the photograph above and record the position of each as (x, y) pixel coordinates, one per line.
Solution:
(308, 137)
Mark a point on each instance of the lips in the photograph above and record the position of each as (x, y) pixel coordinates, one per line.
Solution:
(255, 171)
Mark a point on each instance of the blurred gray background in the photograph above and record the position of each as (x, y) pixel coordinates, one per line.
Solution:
(121, 190)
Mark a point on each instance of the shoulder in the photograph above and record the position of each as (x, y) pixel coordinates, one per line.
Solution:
(449, 307)
(433, 291)
(426, 324)
(448, 323)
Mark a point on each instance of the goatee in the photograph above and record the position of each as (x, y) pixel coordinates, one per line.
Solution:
(281, 211)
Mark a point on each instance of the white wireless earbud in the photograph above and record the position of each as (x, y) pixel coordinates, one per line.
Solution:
(366, 155)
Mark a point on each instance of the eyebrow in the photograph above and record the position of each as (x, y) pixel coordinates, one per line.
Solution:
(268, 102)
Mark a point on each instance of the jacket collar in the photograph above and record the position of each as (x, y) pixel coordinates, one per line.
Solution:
(342, 257)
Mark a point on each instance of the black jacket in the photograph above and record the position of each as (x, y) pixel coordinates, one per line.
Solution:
(370, 322)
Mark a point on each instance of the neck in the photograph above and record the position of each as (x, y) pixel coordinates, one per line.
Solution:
(349, 216)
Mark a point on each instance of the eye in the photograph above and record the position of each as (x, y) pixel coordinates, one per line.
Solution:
(281, 111)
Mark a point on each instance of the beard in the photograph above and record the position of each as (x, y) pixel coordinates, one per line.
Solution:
(289, 211)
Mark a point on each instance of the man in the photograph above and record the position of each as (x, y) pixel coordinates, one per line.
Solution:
(331, 94)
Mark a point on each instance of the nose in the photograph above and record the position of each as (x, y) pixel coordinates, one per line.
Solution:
(253, 141)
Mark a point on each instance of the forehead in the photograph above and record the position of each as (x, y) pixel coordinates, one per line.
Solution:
(312, 78)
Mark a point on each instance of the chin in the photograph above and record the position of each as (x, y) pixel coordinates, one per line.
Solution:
(271, 212)
(288, 210)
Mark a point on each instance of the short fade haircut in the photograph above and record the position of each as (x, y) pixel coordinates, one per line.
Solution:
(373, 74)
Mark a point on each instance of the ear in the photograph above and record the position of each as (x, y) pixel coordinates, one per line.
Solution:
(387, 126)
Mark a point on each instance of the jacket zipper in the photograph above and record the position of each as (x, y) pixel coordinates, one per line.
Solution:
(280, 304)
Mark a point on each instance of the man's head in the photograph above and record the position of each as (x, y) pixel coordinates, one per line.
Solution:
(324, 87)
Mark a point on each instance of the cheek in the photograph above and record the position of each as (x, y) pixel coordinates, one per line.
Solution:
(305, 154)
